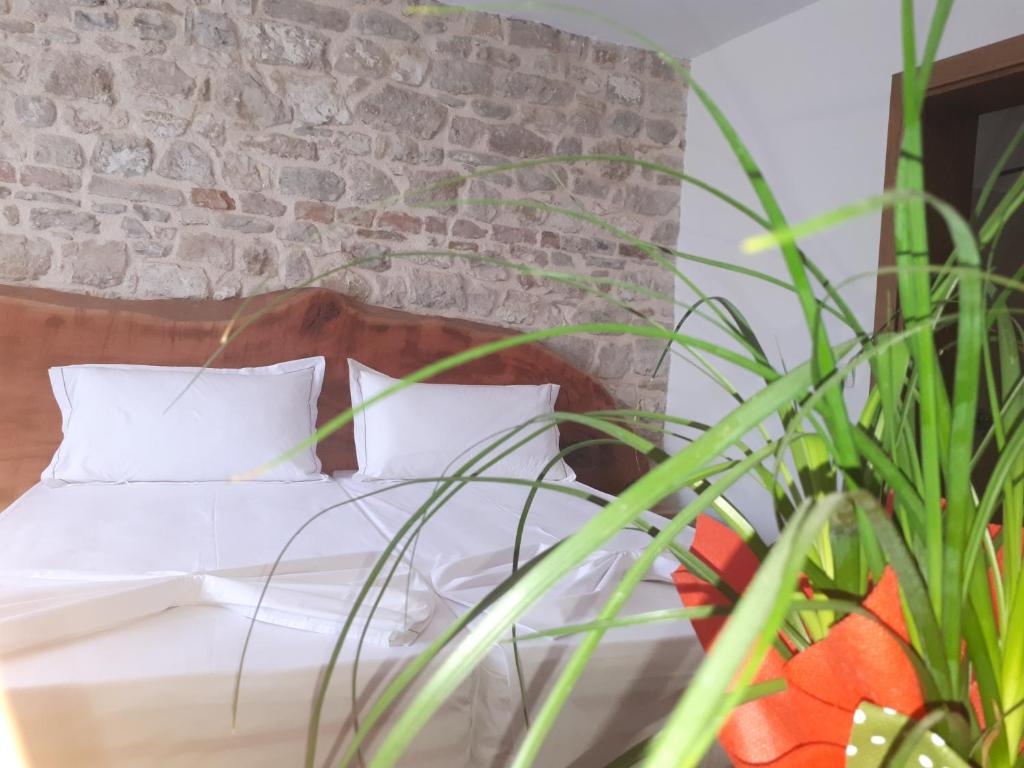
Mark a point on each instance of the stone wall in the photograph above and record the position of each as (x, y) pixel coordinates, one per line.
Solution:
(174, 148)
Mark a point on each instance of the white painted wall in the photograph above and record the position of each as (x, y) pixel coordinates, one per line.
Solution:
(809, 93)
(684, 28)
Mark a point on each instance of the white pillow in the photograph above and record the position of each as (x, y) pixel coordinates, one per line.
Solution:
(120, 425)
(430, 430)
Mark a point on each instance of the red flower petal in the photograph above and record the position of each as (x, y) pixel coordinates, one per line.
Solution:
(809, 723)
(730, 558)
(789, 728)
(861, 660)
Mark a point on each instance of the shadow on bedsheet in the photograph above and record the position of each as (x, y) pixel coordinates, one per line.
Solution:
(627, 690)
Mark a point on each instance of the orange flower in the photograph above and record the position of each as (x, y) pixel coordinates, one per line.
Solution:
(808, 724)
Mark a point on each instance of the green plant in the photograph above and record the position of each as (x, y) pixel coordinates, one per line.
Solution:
(829, 473)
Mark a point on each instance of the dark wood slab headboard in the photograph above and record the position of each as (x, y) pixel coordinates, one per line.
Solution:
(41, 328)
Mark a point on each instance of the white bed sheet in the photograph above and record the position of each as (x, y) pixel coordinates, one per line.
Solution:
(637, 672)
(157, 690)
(82, 558)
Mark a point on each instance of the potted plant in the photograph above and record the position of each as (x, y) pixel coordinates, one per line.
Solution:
(886, 622)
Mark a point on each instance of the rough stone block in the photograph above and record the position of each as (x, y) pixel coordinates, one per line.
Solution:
(513, 235)
(160, 76)
(348, 142)
(150, 249)
(35, 111)
(465, 229)
(626, 123)
(273, 43)
(162, 125)
(437, 290)
(463, 78)
(186, 161)
(24, 258)
(528, 34)
(254, 202)
(48, 178)
(613, 148)
(312, 14)
(380, 24)
(436, 189)
(297, 270)
(133, 228)
(400, 222)
(465, 131)
(613, 362)
(394, 108)
(17, 26)
(516, 141)
(593, 188)
(91, 20)
(623, 89)
(666, 233)
(281, 145)
(97, 263)
(172, 281)
(14, 66)
(498, 56)
(662, 131)
(152, 25)
(243, 172)
(250, 225)
(458, 47)
(308, 210)
(74, 75)
(411, 66)
(215, 31)
(315, 101)
(537, 89)
(58, 150)
(541, 179)
(492, 110)
(606, 54)
(141, 193)
(214, 199)
(462, 245)
(300, 232)
(122, 155)
(368, 183)
(149, 213)
(250, 102)
(650, 202)
(259, 257)
(363, 58)
(206, 248)
(311, 183)
(666, 99)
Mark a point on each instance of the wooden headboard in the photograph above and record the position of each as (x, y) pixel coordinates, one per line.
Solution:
(42, 328)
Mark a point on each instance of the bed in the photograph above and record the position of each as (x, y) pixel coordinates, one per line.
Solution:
(142, 591)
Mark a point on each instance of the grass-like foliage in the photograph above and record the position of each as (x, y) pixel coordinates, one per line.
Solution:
(916, 445)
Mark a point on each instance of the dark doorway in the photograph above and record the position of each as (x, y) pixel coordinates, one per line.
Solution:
(964, 93)
(973, 111)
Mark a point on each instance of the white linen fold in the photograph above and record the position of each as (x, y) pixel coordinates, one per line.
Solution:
(467, 580)
(316, 595)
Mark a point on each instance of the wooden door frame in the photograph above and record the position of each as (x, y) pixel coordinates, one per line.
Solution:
(968, 84)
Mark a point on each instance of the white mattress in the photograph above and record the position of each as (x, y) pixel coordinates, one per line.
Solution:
(156, 689)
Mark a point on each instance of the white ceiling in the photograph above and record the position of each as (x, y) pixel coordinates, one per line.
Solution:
(683, 27)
